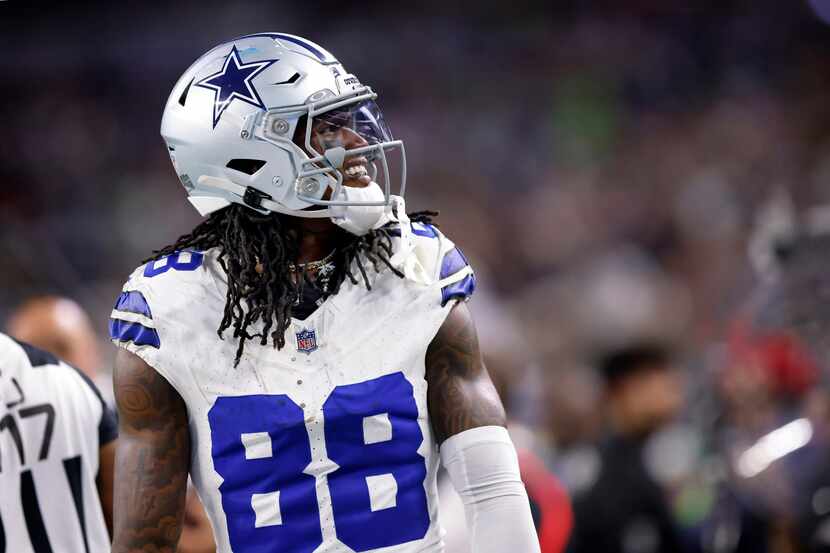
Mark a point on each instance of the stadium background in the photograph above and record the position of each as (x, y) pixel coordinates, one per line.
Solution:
(603, 164)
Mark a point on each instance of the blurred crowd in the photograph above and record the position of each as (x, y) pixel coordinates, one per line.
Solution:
(619, 174)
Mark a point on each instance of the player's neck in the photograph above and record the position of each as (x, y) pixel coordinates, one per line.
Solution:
(319, 237)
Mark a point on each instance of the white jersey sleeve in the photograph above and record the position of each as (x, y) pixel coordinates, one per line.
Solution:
(53, 422)
(153, 316)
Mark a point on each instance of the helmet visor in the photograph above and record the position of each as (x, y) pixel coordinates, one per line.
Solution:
(349, 127)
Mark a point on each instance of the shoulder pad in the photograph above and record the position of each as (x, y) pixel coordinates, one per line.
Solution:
(161, 281)
(444, 262)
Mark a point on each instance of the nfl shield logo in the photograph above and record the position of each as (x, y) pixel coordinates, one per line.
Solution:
(306, 340)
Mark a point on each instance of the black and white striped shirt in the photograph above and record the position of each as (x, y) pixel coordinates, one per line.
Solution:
(53, 422)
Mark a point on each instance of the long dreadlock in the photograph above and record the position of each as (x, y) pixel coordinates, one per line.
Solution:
(256, 253)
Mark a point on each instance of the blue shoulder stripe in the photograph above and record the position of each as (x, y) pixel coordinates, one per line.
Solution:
(453, 262)
(133, 302)
(423, 229)
(419, 229)
(140, 335)
(462, 289)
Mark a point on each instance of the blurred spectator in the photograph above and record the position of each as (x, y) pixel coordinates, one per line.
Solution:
(775, 428)
(60, 326)
(625, 510)
(549, 503)
(506, 361)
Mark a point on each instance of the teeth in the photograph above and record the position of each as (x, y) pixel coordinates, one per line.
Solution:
(356, 171)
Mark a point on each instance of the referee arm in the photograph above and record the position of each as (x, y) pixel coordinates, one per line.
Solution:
(106, 467)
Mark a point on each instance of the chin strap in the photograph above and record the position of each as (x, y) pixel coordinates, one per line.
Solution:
(404, 258)
(396, 213)
(257, 200)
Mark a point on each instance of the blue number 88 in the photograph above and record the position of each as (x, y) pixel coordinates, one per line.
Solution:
(377, 491)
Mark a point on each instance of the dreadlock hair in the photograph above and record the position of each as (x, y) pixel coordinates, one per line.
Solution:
(257, 251)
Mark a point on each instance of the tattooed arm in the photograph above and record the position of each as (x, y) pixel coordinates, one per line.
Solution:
(152, 459)
(468, 420)
(461, 395)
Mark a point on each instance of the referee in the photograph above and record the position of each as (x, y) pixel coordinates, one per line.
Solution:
(56, 455)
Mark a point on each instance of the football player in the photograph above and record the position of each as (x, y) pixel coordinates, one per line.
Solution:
(56, 455)
(306, 351)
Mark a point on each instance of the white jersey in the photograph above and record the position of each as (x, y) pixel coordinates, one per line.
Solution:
(324, 446)
(52, 425)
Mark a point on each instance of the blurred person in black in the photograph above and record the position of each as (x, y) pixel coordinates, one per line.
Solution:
(625, 509)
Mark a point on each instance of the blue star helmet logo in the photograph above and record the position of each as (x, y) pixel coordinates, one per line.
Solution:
(233, 82)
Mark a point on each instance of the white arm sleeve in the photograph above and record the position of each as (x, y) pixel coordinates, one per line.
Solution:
(484, 470)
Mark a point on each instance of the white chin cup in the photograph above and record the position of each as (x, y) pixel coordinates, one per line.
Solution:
(360, 219)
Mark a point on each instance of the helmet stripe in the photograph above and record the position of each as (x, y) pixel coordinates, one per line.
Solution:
(321, 55)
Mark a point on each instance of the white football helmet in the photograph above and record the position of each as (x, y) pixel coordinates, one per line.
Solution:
(233, 118)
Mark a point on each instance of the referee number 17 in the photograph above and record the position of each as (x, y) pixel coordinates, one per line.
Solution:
(11, 424)
(8, 423)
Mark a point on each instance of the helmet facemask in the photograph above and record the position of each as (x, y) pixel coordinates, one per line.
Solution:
(333, 133)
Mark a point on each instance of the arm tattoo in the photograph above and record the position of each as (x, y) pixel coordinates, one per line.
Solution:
(460, 393)
(152, 459)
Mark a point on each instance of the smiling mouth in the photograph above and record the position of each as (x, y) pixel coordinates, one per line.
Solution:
(355, 173)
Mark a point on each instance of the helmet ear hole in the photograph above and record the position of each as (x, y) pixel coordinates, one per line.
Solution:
(183, 97)
(293, 79)
(247, 166)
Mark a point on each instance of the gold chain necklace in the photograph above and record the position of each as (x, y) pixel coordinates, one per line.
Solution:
(321, 265)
